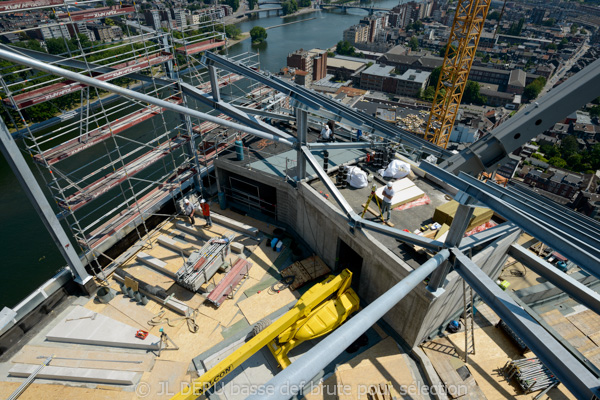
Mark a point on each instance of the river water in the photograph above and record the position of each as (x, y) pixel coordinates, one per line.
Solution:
(28, 255)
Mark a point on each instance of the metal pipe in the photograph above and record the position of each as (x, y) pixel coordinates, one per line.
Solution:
(51, 69)
(29, 379)
(291, 380)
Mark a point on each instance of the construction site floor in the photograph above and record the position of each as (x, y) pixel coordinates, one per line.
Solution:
(260, 295)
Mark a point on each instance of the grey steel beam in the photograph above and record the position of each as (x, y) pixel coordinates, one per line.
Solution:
(345, 145)
(232, 112)
(573, 248)
(533, 197)
(571, 373)
(323, 353)
(327, 182)
(51, 69)
(572, 287)
(32, 189)
(214, 83)
(555, 220)
(491, 151)
(487, 236)
(302, 132)
(407, 237)
(267, 114)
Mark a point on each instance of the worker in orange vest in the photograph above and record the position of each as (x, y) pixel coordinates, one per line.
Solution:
(206, 212)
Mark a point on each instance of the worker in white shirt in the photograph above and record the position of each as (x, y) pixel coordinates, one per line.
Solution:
(386, 205)
(189, 211)
(325, 134)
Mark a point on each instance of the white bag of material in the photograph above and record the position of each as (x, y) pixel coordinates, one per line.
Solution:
(357, 178)
(396, 169)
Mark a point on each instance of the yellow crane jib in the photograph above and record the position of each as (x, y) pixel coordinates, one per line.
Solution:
(322, 309)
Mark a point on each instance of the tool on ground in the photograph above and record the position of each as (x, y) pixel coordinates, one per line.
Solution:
(15, 395)
(141, 334)
(322, 309)
(190, 317)
(373, 189)
(89, 359)
(164, 341)
(92, 317)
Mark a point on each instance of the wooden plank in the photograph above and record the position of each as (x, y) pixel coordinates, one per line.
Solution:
(587, 322)
(568, 331)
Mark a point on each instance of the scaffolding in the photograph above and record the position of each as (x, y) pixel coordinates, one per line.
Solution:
(110, 162)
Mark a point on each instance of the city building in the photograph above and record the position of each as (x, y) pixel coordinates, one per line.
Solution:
(54, 32)
(383, 78)
(313, 62)
(356, 34)
(105, 33)
(152, 18)
(412, 82)
(516, 81)
(180, 18)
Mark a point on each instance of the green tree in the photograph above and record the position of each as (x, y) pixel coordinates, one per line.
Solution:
(595, 111)
(344, 48)
(568, 146)
(494, 15)
(428, 93)
(435, 76)
(583, 31)
(450, 53)
(289, 7)
(258, 34)
(552, 46)
(232, 31)
(533, 90)
(563, 43)
(549, 22)
(304, 3)
(516, 28)
(252, 4)
(413, 43)
(486, 58)
(109, 22)
(557, 162)
(574, 29)
(472, 95)
(235, 4)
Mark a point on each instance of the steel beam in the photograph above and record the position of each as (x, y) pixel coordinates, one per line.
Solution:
(491, 151)
(345, 145)
(32, 189)
(292, 380)
(51, 69)
(566, 283)
(214, 83)
(327, 182)
(302, 132)
(266, 114)
(551, 219)
(487, 236)
(528, 195)
(573, 248)
(232, 111)
(571, 373)
(406, 237)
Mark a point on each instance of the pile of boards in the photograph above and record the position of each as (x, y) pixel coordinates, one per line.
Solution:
(445, 213)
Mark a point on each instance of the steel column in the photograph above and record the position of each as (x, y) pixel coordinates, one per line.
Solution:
(577, 378)
(566, 283)
(214, 83)
(302, 132)
(51, 69)
(291, 380)
(32, 189)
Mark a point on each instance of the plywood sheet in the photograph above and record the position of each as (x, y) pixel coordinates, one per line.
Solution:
(37, 391)
(149, 276)
(586, 321)
(263, 259)
(191, 344)
(84, 358)
(265, 303)
(565, 327)
(163, 381)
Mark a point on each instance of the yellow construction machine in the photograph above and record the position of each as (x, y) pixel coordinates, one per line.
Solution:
(323, 308)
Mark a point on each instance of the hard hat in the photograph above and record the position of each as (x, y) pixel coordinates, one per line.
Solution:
(389, 184)
(186, 201)
(202, 201)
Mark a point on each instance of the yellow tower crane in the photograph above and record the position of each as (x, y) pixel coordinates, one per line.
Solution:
(466, 30)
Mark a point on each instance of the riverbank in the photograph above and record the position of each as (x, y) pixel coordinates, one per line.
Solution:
(246, 35)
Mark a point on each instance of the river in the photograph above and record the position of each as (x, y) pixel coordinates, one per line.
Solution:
(28, 254)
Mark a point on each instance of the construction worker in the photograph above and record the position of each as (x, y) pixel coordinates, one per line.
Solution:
(206, 212)
(325, 135)
(189, 211)
(386, 204)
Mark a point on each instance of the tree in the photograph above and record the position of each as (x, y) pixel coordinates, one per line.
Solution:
(472, 95)
(252, 4)
(428, 93)
(304, 3)
(232, 31)
(595, 111)
(552, 46)
(583, 31)
(563, 43)
(109, 22)
(549, 22)
(533, 90)
(443, 50)
(413, 43)
(289, 7)
(435, 76)
(235, 4)
(516, 28)
(344, 48)
(568, 146)
(258, 34)
(574, 29)
(557, 162)
(494, 15)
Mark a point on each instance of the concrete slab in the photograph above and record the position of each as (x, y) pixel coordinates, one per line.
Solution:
(233, 224)
(176, 245)
(155, 263)
(237, 247)
(100, 331)
(78, 374)
(52, 391)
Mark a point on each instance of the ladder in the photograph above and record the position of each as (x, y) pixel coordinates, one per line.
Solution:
(468, 318)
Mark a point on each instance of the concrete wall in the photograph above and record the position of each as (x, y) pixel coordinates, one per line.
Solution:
(321, 224)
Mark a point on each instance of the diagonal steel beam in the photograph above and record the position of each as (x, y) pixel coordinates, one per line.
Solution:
(571, 373)
(572, 247)
(267, 114)
(572, 287)
(54, 70)
(345, 145)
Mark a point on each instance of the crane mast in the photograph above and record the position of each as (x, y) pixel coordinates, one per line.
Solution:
(466, 30)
